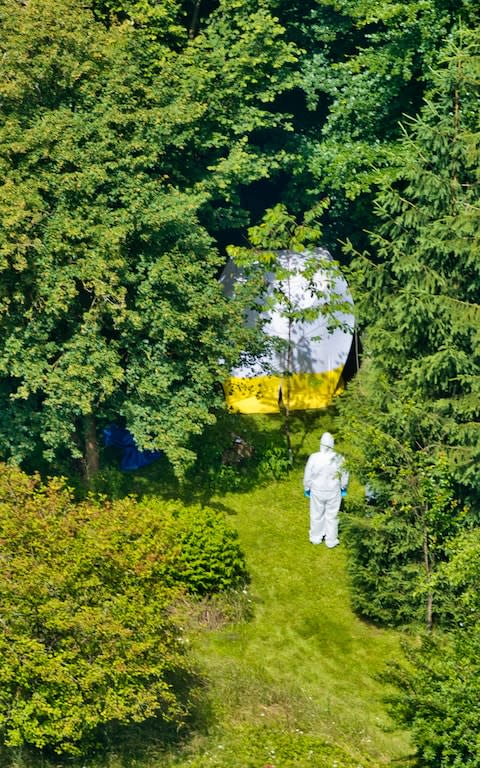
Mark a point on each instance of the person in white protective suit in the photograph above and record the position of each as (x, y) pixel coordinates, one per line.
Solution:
(325, 481)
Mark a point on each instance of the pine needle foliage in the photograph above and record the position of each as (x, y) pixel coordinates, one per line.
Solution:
(440, 685)
(413, 415)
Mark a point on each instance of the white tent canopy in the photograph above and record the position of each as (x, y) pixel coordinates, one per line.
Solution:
(303, 367)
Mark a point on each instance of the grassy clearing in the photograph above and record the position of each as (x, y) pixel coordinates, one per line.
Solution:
(304, 665)
(304, 661)
(294, 685)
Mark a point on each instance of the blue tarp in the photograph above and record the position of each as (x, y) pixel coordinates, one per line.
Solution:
(132, 457)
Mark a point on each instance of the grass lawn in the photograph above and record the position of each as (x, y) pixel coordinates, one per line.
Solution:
(304, 664)
(294, 685)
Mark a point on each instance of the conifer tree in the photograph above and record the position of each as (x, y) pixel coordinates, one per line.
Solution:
(413, 415)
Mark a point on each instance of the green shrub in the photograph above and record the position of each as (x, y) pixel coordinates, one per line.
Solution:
(398, 542)
(380, 592)
(268, 457)
(87, 637)
(438, 683)
(439, 698)
(205, 553)
(274, 463)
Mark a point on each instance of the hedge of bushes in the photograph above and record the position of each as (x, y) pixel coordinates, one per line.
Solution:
(86, 589)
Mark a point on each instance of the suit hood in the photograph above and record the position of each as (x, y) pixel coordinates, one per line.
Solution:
(326, 441)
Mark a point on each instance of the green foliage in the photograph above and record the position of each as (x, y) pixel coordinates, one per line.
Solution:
(114, 148)
(280, 233)
(385, 567)
(365, 65)
(161, 21)
(412, 415)
(130, 134)
(457, 579)
(280, 230)
(413, 412)
(275, 463)
(398, 539)
(218, 470)
(437, 685)
(269, 460)
(206, 557)
(86, 595)
(86, 637)
(439, 699)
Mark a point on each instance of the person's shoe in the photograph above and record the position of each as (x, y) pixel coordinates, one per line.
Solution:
(333, 544)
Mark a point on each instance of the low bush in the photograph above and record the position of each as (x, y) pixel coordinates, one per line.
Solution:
(217, 468)
(87, 637)
(438, 698)
(205, 556)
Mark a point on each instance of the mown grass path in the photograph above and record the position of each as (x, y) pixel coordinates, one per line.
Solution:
(304, 661)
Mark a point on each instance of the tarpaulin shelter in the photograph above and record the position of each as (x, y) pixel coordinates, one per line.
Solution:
(303, 370)
(131, 456)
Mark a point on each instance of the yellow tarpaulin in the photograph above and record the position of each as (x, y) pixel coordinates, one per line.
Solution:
(261, 394)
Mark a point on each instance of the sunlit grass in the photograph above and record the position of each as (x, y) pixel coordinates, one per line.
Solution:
(291, 678)
(304, 662)
(305, 659)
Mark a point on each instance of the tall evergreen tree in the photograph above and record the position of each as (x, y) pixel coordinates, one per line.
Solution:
(437, 684)
(413, 415)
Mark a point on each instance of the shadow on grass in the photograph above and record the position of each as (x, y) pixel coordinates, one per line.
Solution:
(218, 469)
(146, 743)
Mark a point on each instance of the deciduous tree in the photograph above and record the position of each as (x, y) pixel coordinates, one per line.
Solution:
(87, 591)
(115, 149)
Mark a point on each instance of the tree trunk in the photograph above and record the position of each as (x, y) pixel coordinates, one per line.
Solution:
(192, 32)
(428, 571)
(91, 447)
(286, 423)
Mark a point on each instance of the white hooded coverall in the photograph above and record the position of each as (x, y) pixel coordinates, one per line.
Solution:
(325, 477)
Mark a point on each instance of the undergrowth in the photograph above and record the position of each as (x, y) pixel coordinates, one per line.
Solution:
(290, 674)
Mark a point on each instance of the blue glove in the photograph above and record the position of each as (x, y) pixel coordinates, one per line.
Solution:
(307, 492)
(343, 492)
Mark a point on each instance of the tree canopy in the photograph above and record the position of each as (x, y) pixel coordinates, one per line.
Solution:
(111, 161)
(137, 139)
